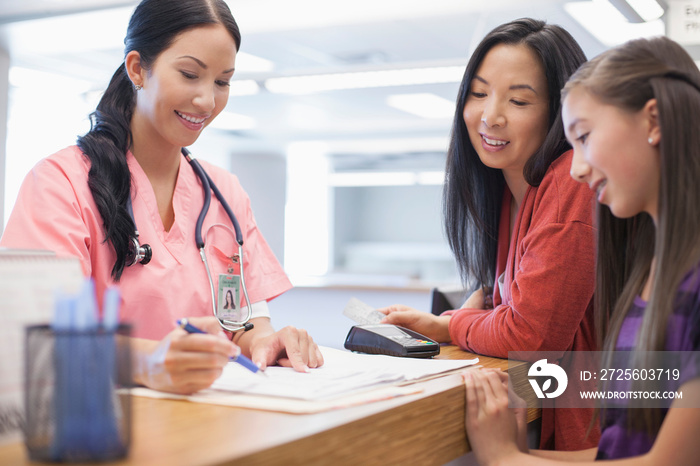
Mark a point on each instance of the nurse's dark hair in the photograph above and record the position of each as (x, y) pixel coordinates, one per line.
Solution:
(473, 192)
(628, 77)
(153, 27)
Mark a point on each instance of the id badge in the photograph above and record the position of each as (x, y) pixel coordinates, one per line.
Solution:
(229, 303)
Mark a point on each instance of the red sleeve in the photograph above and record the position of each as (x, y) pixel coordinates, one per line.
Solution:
(551, 291)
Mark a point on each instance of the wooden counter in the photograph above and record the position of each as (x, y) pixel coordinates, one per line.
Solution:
(426, 428)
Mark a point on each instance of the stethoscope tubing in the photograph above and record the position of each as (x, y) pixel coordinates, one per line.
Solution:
(208, 186)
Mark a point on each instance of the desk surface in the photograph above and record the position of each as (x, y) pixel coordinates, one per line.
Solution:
(426, 428)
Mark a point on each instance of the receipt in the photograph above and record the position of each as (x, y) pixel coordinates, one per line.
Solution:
(362, 313)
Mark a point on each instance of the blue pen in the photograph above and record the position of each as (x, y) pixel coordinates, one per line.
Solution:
(240, 359)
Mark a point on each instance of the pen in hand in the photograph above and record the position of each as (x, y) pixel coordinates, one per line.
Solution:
(240, 359)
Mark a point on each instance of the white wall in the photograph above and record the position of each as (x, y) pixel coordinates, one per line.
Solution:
(264, 177)
(392, 230)
(4, 93)
(396, 213)
(262, 172)
(46, 113)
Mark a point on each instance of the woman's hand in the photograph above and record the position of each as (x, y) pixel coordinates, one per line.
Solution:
(289, 347)
(492, 427)
(183, 363)
(475, 300)
(434, 327)
(482, 298)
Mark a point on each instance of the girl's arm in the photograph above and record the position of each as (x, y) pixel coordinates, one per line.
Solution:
(492, 430)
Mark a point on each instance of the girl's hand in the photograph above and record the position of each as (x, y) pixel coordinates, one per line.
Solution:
(289, 347)
(519, 408)
(492, 427)
(183, 363)
(434, 327)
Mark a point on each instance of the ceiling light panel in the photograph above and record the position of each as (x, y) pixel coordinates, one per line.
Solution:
(608, 25)
(424, 105)
(230, 121)
(649, 10)
(310, 84)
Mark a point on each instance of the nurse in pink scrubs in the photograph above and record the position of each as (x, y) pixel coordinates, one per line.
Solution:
(179, 59)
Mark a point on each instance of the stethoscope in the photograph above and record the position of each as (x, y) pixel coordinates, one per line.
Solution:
(143, 253)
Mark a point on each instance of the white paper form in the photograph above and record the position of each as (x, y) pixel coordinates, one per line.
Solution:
(343, 372)
(346, 379)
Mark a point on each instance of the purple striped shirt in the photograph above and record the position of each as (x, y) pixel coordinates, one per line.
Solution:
(683, 334)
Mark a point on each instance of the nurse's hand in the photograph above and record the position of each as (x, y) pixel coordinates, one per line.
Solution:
(432, 326)
(289, 347)
(183, 363)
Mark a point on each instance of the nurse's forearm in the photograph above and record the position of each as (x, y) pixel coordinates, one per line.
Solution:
(141, 351)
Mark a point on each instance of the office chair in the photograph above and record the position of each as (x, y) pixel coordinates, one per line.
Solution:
(446, 299)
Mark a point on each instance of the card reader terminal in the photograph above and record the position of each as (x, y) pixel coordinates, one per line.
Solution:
(391, 340)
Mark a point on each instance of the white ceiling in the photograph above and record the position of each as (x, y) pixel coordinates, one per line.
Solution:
(299, 37)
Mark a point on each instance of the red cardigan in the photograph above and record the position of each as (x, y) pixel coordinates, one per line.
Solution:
(545, 303)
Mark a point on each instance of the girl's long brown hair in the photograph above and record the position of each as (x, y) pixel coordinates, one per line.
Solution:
(628, 77)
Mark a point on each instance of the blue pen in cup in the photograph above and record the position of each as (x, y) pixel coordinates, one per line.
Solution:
(240, 359)
(88, 416)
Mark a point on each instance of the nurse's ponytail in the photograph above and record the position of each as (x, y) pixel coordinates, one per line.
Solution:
(109, 178)
(154, 25)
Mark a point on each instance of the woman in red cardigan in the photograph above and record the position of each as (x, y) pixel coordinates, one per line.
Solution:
(519, 226)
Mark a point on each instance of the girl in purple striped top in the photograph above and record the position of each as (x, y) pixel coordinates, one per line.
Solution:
(632, 115)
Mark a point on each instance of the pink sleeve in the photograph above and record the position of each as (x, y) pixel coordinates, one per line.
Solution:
(49, 215)
(551, 292)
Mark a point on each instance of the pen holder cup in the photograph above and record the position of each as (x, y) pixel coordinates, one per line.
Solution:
(77, 394)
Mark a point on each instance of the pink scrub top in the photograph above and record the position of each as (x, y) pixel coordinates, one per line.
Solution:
(55, 211)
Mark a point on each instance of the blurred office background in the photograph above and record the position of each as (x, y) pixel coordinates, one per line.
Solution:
(337, 124)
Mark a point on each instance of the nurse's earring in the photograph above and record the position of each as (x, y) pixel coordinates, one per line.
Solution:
(651, 141)
(138, 87)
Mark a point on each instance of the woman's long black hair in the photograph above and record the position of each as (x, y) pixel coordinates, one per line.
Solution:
(473, 192)
(153, 27)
